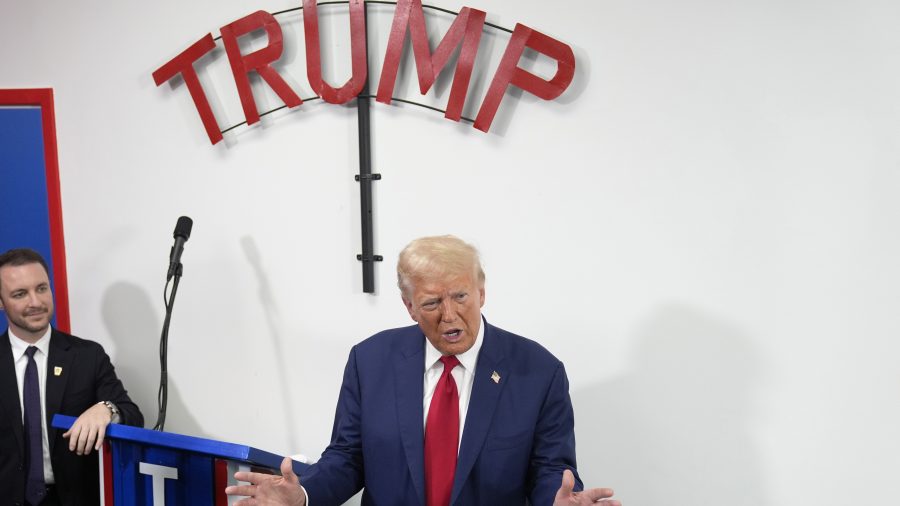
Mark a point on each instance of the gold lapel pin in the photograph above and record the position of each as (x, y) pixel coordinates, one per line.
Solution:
(57, 371)
(495, 377)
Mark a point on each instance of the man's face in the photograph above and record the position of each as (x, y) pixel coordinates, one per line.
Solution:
(26, 298)
(448, 310)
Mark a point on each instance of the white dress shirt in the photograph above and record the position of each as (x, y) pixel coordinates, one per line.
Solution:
(463, 374)
(40, 359)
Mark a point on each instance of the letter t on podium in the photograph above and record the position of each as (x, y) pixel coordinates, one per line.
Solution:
(159, 474)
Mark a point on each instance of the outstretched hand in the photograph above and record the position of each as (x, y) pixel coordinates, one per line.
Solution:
(268, 489)
(567, 496)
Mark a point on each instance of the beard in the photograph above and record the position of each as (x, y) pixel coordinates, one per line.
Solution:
(33, 322)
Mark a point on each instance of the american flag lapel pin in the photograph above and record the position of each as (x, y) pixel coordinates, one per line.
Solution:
(496, 377)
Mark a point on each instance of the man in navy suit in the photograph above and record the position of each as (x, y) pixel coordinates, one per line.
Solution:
(506, 439)
(40, 465)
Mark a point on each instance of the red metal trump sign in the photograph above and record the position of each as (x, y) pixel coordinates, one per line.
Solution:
(464, 34)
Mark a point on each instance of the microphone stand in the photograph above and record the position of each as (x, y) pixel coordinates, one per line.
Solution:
(163, 395)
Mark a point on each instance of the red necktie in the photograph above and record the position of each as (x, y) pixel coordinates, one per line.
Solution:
(442, 437)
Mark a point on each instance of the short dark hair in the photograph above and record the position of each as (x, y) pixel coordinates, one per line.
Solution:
(23, 256)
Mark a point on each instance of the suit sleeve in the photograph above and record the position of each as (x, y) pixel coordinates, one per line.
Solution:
(554, 442)
(338, 475)
(108, 387)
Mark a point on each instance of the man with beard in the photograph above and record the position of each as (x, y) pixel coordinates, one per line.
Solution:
(44, 371)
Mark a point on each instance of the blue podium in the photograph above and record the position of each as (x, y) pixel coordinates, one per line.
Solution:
(146, 467)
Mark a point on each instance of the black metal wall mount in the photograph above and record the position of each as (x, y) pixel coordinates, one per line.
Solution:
(365, 178)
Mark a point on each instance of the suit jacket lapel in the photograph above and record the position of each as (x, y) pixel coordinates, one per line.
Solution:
(63, 357)
(9, 392)
(482, 404)
(409, 384)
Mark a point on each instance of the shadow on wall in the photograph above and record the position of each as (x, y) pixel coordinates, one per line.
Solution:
(130, 319)
(676, 430)
(275, 325)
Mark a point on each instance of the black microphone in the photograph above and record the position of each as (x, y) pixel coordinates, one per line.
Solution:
(182, 234)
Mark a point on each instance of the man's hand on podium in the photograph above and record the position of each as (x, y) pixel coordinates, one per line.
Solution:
(87, 432)
(267, 489)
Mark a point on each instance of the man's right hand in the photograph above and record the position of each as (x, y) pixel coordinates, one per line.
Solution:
(87, 432)
(566, 496)
(269, 490)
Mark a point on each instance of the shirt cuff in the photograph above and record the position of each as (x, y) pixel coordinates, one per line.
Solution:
(305, 494)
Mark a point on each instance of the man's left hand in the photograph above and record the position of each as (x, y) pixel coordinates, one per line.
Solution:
(268, 489)
(567, 496)
(89, 429)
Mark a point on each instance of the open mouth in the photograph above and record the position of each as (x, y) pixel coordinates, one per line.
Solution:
(452, 335)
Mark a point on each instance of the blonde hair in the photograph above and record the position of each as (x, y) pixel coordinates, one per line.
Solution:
(436, 256)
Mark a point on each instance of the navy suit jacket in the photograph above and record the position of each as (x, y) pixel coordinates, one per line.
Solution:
(87, 378)
(517, 439)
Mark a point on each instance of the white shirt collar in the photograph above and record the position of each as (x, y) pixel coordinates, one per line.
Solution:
(19, 346)
(467, 359)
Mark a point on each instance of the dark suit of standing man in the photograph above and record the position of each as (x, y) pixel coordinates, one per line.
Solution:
(79, 380)
(517, 443)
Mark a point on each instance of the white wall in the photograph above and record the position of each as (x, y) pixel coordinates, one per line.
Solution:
(703, 228)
